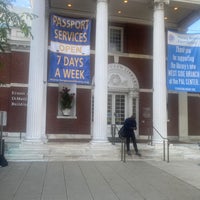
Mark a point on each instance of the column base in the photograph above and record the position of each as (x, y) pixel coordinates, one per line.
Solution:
(99, 141)
(157, 141)
(36, 140)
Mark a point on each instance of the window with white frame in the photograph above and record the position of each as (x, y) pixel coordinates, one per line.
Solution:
(134, 107)
(116, 108)
(115, 39)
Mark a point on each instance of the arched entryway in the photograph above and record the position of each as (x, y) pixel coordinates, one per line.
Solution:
(123, 95)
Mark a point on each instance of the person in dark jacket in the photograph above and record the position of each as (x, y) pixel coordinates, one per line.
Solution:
(131, 125)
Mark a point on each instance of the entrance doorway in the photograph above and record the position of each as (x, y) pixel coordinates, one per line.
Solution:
(123, 95)
(116, 108)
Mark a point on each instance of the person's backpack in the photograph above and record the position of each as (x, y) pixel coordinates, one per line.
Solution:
(3, 161)
(122, 132)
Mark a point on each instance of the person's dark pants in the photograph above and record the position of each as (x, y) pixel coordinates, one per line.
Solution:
(128, 139)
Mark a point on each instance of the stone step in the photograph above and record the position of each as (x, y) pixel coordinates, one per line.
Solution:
(24, 157)
(89, 151)
(60, 151)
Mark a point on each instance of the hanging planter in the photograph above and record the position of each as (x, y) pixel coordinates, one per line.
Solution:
(66, 100)
(66, 111)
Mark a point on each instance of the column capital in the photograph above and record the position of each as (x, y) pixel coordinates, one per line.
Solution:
(159, 4)
(162, 1)
(106, 1)
(131, 94)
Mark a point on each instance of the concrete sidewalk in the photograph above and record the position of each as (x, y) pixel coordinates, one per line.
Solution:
(101, 180)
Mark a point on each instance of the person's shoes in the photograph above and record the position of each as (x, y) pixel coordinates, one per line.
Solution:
(129, 153)
(138, 154)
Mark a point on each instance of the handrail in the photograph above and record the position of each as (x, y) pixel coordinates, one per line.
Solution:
(113, 132)
(114, 128)
(164, 141)
(158, 133)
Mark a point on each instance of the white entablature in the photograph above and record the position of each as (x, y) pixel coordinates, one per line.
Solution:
(187, 1)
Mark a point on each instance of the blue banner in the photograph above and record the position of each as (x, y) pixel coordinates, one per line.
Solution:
(183, 70)
(69, 57)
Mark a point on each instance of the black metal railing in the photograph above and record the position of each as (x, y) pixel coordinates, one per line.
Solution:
(165, 142)
(114, 131)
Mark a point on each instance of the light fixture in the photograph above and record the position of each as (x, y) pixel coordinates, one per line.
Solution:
(69, 5)
(125, 1)
(166, 18)
(175, 8)
(119, 11)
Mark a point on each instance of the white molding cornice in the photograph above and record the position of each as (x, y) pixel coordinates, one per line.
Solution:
(21, 85)
(72, 13)
(128, 55)
(162, 1)
(187, 1)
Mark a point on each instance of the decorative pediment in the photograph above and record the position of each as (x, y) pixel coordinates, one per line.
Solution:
(121, 77)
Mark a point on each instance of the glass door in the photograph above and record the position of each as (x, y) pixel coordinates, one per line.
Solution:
(116, 110)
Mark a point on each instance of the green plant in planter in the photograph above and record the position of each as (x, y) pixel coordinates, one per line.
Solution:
(66, 98)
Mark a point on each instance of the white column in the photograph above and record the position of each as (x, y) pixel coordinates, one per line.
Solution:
(183, 115)
(159, 73)
(35, 130)
(101, 64)
(130, 103)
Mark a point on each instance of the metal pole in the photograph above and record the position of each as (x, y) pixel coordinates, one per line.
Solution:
(167, 150)
(3, 161)
(124, 150)
(1, 125)
(114, 133)
(163, 150)
(1, 135)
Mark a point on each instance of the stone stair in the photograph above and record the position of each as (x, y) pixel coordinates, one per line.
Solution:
(73, 150)
(61, 151)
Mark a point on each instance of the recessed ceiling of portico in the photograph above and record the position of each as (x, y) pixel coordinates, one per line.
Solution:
(135, 11)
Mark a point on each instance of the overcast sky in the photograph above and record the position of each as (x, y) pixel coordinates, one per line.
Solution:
(195, 28)
(22, 3)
